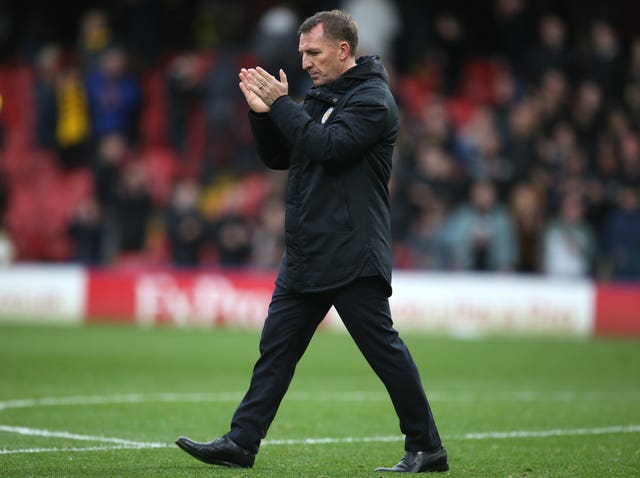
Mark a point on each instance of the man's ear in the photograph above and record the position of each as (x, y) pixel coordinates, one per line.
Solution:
(345, 50)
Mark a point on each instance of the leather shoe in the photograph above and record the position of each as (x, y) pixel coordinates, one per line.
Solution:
(421, 462)
(221, 451)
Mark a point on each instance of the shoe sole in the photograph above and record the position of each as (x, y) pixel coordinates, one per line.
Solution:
(434, 468)
(439, 467)
(192, 453)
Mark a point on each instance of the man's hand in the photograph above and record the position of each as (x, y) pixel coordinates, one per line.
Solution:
(253, 100)
(261, 89)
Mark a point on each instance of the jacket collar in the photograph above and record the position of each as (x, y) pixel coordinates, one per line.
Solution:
(366, 67)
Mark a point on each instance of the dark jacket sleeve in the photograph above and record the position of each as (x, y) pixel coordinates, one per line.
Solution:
(359, 124)
(273, 148)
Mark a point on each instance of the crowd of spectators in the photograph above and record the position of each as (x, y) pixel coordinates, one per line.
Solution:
(519, 147)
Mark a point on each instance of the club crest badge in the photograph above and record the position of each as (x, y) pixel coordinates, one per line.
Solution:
(326, 115)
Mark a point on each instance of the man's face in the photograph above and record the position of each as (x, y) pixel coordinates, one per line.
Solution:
(321, 57)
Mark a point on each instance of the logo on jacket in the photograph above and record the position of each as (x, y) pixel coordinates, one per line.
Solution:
(326, 115)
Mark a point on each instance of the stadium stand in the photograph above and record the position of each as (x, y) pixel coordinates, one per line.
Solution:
(565, 123)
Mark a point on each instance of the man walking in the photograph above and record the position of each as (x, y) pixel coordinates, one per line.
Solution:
(337, 147)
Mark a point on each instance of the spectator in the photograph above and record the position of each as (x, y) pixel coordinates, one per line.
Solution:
(573, 180)
(48, 68)
(184, 86)
(95, 38)
(402, 174)
(520, 143)
(222, 103)
(551, 52)
(587, 115)
(133, 208)
(185, 224)
(569, 245)
(622, 237)
(527, 210)
(506, 91)
(232, 238)
(268, 237)
(435, 175)
(112, 152)
(86, 232)
(114, 97)
(427, 245)
(553, 94)
(107, 166)
(62, 122)
(512, 32)
(630, 158)
(556, 149)
(602, 186)
(450, 49)
(481, 232)
(434, 126)
(604, 62)
(485, 159)
(73, 126)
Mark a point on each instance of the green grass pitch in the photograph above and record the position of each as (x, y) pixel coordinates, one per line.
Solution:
(108, 401)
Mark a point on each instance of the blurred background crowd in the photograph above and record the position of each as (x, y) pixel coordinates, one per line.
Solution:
(124, 139)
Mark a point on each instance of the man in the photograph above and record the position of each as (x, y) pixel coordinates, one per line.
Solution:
(338, 148)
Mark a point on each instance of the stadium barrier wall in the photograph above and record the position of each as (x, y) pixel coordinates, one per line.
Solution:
(53, 294)
(460, 304)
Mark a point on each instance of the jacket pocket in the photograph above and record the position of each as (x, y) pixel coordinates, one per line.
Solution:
(343, 211)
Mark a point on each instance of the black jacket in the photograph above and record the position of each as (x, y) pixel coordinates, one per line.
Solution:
(338, 148)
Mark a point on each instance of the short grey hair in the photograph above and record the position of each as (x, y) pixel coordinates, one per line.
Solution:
(338, 25)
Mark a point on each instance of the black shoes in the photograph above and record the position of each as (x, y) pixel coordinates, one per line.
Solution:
(421, 462)
(225, 452)
(218, 452)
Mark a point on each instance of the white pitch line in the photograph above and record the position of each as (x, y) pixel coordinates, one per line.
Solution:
(552, 433)
(5, 451)
(74, 436)
(130, 444)
(468, 436)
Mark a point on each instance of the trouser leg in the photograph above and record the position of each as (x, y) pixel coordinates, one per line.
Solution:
(291, 321)
(364, 309)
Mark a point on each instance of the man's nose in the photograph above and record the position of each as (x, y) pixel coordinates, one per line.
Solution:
(306, 64)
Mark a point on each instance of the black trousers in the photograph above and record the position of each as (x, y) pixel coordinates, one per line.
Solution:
(363, 306)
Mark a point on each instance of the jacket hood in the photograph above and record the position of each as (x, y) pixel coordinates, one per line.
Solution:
(366, 68)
